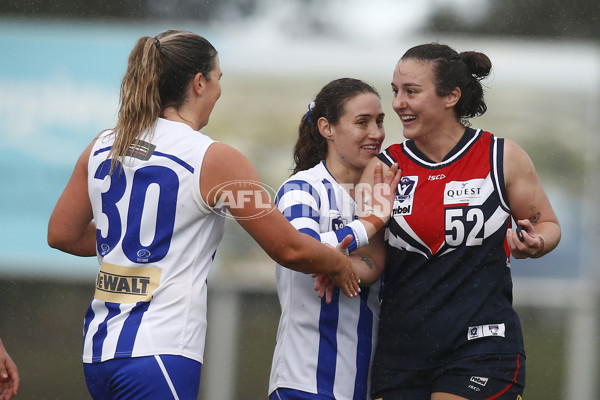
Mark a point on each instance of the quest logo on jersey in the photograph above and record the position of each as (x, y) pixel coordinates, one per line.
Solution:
(405, 195)
(457, 192)
(118, 284)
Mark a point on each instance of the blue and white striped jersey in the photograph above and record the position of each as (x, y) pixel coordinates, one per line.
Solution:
(321, 348)
(156, 239)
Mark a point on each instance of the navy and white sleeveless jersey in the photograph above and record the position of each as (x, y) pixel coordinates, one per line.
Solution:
(321, 348)
(448, 286)
(156, 239)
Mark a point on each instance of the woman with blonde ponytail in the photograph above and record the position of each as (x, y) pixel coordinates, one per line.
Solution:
(149, 198)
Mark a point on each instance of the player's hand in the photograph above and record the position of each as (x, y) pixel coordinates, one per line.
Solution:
(346, 278)
(324, 286)
(9, 376)
(525, 241)
(378, 201)
(323, 283)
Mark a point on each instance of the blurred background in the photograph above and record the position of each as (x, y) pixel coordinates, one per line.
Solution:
(60, 71)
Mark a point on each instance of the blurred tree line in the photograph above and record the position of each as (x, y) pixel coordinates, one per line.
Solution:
(199, 10)
(534, 18)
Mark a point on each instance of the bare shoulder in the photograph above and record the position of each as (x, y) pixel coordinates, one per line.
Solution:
(517, 163)
(223, 163)
(222, 154)
(221, 157)
(512, 149)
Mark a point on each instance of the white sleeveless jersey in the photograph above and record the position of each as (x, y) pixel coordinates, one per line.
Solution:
(156, 239)
(322, 348)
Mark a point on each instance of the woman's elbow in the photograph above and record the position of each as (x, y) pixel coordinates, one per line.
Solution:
(290, 257)
(56, 241)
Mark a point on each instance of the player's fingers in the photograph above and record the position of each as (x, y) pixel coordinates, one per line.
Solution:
(350, 289)
(395, 179)
(329, 294)
(377, 173)
(321, 293)
(355, 283)
(346, 241)
(392, 173)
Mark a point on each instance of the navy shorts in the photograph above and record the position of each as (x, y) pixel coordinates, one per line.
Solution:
(499, 377)
(158, 377)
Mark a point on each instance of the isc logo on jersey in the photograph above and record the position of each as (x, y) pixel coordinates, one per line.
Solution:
(405, 195)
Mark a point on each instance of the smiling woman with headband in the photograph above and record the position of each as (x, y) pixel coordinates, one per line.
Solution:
(325, 345)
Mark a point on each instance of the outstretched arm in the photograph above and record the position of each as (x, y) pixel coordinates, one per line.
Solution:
(261, 219)
(530, 206)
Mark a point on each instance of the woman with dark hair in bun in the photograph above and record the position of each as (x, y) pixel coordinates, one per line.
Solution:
(448, 329)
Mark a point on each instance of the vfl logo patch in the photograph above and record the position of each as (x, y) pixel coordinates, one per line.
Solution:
(140, 150)
(477, 332)
(119, 284)
(405, 195)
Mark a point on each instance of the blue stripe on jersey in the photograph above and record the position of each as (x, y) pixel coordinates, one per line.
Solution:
(100, 335)
(130, 329)
(298, 185)
(363, 352)
(342, 233)
(156, 153)
(301, 211)
(330, 194)
(89, 316)
(327, 359)
(176, 159)
(310, 233)
(102, 150)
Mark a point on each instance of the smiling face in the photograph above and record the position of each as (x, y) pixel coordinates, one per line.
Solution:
(357, 137)
(421, 110)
